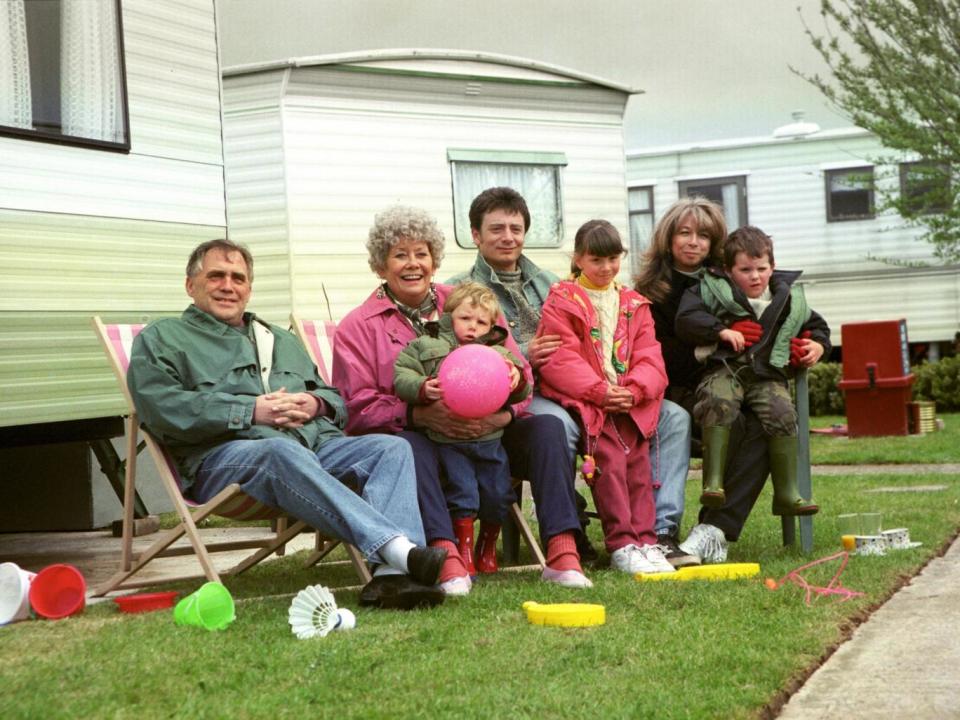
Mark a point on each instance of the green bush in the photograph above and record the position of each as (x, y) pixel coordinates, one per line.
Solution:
(939, 382)
(825, 397)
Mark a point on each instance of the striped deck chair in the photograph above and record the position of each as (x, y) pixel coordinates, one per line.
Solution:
(317, 336)
(230, 502)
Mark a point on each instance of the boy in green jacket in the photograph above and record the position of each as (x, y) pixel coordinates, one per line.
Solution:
(752, 325)
(477, 472)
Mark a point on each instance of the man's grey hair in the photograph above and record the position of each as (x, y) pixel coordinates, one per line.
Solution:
(402, 223)
(195, 263)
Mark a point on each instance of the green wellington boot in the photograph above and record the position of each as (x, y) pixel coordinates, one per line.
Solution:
(715, 441)
(783, 474)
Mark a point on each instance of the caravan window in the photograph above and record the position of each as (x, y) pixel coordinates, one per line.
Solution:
(925, 187)
(730, 193)
(849, 194)
(535, 175)
(62, 77)
(640, 209)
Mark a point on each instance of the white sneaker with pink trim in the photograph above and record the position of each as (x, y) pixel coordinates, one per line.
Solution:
(566, 578)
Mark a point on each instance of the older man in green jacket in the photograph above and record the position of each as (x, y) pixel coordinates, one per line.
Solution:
(236, 400)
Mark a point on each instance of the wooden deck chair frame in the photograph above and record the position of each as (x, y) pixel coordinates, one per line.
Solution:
(317, 337)
(230, 502)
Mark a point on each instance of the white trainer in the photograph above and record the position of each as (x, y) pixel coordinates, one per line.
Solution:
(708, 542)
(624, 559)
(631, 559)
(653, 554)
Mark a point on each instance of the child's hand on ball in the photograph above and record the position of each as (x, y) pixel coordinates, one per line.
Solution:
(432, 390)
(514, 375)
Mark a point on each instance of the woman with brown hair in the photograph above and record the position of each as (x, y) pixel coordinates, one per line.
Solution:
(689, 237)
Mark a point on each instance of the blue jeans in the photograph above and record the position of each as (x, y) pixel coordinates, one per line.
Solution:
(358, 489)
(669, 463)
(531, 443)
(539, 405)
(478, 481)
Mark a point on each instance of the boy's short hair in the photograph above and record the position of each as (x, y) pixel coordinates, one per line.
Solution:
(477, 293)
(750, 240)
(498, 198)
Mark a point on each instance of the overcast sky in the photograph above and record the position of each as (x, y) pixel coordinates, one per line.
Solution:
(709, 69)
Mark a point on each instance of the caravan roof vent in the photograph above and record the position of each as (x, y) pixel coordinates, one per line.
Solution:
(798, 128)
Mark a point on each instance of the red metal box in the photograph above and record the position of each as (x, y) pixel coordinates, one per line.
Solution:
(876, 378)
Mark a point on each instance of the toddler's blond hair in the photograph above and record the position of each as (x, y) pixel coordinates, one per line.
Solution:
(478, 294)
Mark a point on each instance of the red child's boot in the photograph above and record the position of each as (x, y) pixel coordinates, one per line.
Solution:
(486, 550)
(463, 529)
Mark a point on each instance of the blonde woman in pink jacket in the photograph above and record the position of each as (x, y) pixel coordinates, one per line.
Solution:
(609, 372)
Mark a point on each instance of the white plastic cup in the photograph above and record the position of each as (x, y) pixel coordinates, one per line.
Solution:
(871, 523)
(14, 592)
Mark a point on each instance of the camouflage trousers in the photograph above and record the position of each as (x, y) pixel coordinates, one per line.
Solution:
(723, 390)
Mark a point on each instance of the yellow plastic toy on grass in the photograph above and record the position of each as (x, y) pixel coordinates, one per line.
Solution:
(726, 571)
(565, 614)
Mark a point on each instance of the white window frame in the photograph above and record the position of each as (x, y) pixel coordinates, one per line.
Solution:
(543, 232)
(639, 244)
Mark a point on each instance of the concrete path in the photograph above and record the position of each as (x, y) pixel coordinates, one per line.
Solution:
(903, 662)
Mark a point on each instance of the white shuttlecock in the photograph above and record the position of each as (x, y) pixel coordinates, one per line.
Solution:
(346, 620)
(313, 612)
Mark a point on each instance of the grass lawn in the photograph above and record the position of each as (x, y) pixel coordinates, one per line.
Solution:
(937, 447)
(668, 650)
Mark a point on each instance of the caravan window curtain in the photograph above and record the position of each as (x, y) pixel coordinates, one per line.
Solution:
(15, 105)
(535, 175)
(63, 60)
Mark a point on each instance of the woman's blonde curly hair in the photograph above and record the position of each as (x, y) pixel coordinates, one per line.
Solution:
(401, 222)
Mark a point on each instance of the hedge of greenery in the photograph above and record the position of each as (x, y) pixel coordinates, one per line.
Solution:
(939, 382)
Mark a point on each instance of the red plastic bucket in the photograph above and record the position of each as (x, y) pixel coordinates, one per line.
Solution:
(58, 591)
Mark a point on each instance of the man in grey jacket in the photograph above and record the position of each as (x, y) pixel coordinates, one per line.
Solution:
(499, 221)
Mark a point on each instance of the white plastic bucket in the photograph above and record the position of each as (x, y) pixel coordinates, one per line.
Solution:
(14, 592)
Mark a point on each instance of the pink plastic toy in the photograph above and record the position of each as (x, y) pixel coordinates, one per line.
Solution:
(475, 381)
(588, 467)
(833, 587)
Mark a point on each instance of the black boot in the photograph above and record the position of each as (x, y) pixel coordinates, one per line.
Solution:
(716, 438)
(783, 475)
(588, 553)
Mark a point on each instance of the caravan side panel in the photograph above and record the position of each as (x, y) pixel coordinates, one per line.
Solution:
(253, 145)
(843, 262)
(85, 231)
(356, 143)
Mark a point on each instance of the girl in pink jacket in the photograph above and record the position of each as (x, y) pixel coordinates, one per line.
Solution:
(609, 372)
